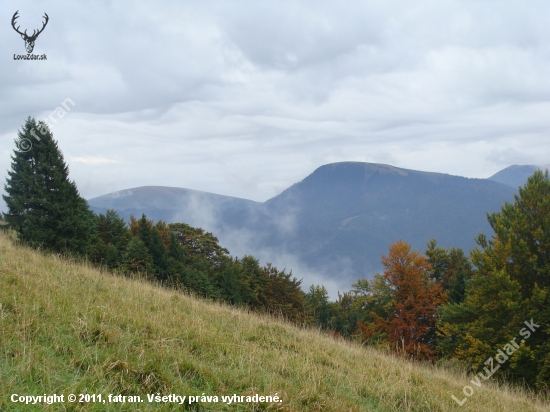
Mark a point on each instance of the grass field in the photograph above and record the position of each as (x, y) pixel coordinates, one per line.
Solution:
(66, 328)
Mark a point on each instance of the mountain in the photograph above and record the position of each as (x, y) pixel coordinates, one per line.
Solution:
(340, 219)
(515, 175)
(334, 225)
(171, 204)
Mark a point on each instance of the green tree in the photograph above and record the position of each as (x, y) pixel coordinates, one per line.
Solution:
(510, 285)
(344, 314)
(201, 251)
(137, 258)
(451, 268)
(44, 206)
(199, 282)
(111, 239)
(319, 306)
(371, 299)
(282, 294)
(199, 245)
(231, 283)
(180, 270)
(256, 281)
(175, 259)
(151, 237)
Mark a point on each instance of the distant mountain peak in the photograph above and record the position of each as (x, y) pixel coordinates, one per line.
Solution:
(368, 168)
(514, 175)
(168, 203)
(337, 221)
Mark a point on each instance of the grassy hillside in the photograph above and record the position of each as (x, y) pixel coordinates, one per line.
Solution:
(66, 328)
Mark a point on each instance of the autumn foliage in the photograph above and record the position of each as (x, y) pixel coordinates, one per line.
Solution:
(410, 326)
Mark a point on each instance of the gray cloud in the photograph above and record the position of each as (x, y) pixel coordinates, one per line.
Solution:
(246, 98)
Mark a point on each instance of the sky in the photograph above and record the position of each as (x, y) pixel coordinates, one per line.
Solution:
(245, 98)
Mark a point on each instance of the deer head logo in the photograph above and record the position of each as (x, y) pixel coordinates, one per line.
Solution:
(29, 40)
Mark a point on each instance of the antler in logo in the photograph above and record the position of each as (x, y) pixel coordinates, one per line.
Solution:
(29, 40)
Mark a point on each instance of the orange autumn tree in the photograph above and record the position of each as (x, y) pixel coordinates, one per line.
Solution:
(411, 322)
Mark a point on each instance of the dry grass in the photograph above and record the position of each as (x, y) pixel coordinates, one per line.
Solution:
(67, 328)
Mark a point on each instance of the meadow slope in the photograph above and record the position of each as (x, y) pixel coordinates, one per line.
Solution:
(68, 328)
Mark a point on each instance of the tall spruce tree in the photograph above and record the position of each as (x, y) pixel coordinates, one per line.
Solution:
(44, 206)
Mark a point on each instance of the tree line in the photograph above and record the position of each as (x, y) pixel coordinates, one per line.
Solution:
(440, 304)
(444, 304)
(47, 212)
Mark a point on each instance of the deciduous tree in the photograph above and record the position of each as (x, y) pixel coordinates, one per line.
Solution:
(411, 324)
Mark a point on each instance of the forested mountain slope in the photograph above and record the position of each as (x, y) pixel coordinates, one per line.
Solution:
(337, 221)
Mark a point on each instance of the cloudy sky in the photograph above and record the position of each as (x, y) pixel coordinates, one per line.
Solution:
(244, 98)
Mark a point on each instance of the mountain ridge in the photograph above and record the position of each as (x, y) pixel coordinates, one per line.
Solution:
(338, 221)
(167, 203)
(380, 204)
(515, 175)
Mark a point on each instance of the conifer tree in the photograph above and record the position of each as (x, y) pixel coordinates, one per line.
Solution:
(175, 260)
(44, 206)
(237, 283)
(175, 251)
(510, 286)
(230, 283)
(152, 239)
(111, 239)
